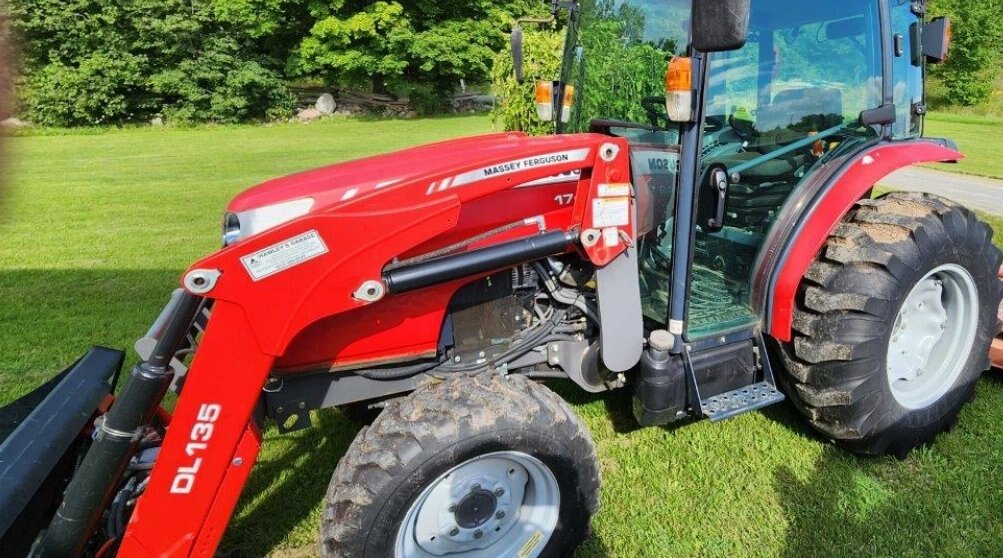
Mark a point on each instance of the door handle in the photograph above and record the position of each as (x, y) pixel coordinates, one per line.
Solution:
(719, 182)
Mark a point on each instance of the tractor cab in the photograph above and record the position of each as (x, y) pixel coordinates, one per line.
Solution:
(811, 84)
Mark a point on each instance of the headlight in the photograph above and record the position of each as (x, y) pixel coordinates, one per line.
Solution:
(231, 228)
(242, 224)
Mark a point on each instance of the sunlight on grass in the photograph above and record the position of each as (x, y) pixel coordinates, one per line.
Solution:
(97, 228)
(980, 138)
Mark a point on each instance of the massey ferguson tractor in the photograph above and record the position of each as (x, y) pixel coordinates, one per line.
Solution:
(718, 254)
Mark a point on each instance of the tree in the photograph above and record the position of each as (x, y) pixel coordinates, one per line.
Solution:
(975, 58)
(613, 72)
(97, 61)
(394, 46)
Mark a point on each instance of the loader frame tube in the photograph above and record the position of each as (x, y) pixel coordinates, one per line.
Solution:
(448, 268)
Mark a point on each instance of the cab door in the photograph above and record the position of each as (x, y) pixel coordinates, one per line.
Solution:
(775, 112)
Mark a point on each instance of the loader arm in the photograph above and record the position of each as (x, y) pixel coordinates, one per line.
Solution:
(337, 264)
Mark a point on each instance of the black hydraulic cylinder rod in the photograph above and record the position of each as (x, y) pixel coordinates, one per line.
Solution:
(116, 436)
(441, 270)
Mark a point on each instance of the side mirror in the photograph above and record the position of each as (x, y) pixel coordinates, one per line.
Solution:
(720, 25)
(936, 40)
(516, 41)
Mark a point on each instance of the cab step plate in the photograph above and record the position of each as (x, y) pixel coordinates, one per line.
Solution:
(742, 400)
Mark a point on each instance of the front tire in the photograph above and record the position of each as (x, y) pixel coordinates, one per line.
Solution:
(472, 467)
(893, 323)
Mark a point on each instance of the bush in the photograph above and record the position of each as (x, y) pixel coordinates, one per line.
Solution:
(100, 88)
(96, 61)
(393, 46)
(974, 61)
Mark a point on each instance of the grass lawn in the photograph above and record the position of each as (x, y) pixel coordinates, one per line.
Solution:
(96, 229)
(980, 138)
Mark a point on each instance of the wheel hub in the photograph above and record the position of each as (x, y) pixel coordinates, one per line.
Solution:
(473, 510)
(932, 336)
(476, 508)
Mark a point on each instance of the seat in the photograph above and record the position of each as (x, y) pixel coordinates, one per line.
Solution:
(793, 115)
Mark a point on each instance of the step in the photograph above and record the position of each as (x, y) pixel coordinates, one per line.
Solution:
(742, 400)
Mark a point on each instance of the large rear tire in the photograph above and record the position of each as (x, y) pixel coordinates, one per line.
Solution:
(472, 467)
(893, 323)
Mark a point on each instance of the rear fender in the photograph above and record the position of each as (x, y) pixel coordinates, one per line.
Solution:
(816, 218)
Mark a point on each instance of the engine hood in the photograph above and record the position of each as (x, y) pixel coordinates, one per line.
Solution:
(341, 182)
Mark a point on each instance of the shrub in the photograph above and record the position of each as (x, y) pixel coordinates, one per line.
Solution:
(974, 61)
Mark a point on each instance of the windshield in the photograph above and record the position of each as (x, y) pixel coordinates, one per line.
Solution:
(616, 57)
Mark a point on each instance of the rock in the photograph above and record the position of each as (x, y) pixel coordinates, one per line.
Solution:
(308, 115)
(158, 121)
(13, 123)
(326, 104)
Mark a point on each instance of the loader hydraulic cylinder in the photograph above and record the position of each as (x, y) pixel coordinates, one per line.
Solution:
(448, 268)
(115, 439)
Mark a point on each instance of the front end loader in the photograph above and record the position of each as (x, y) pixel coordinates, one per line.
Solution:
(702, 233)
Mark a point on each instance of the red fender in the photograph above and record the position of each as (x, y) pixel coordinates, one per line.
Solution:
(854, 183)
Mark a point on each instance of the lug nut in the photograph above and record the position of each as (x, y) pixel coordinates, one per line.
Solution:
(499, 492)
(478, 534)
(452, 509)
(475, 488)
(453, 532)
(500, 515)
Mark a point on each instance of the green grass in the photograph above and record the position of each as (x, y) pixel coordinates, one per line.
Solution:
(980, 138)
(95, 230)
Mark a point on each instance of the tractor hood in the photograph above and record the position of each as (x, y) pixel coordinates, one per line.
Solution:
(344, 181)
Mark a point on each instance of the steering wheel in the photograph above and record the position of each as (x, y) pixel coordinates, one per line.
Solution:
(714, 123)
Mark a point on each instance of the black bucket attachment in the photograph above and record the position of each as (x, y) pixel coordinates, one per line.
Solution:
(40, 444)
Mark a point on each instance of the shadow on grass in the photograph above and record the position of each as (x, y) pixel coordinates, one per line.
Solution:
(944, 499)
(287, 488)
(851, 506)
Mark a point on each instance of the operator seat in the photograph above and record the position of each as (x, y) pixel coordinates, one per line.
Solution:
(793, 115)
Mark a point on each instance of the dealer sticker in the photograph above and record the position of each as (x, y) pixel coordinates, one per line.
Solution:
(285, 254)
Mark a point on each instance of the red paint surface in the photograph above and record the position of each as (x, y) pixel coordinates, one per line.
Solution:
(306, 313)
(858, 179)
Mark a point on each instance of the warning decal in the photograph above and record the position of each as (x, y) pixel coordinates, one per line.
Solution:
(527, 549)
(614, 190)
(610, 212)
(285, 254)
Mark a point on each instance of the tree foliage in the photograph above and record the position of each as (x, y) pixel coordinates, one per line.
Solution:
(111, 61)
(515, 106)
(976, 55)
(613, 71)
(396, 45)
(96, 61)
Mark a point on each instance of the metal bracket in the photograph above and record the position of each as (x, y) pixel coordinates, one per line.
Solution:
(296, 396)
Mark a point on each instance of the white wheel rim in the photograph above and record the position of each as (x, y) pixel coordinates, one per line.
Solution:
(932, 336)
(498, 504)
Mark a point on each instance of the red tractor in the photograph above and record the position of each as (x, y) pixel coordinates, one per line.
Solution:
(721, 255)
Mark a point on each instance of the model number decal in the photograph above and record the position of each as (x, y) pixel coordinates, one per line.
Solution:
(564, 199)
(198, 443)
